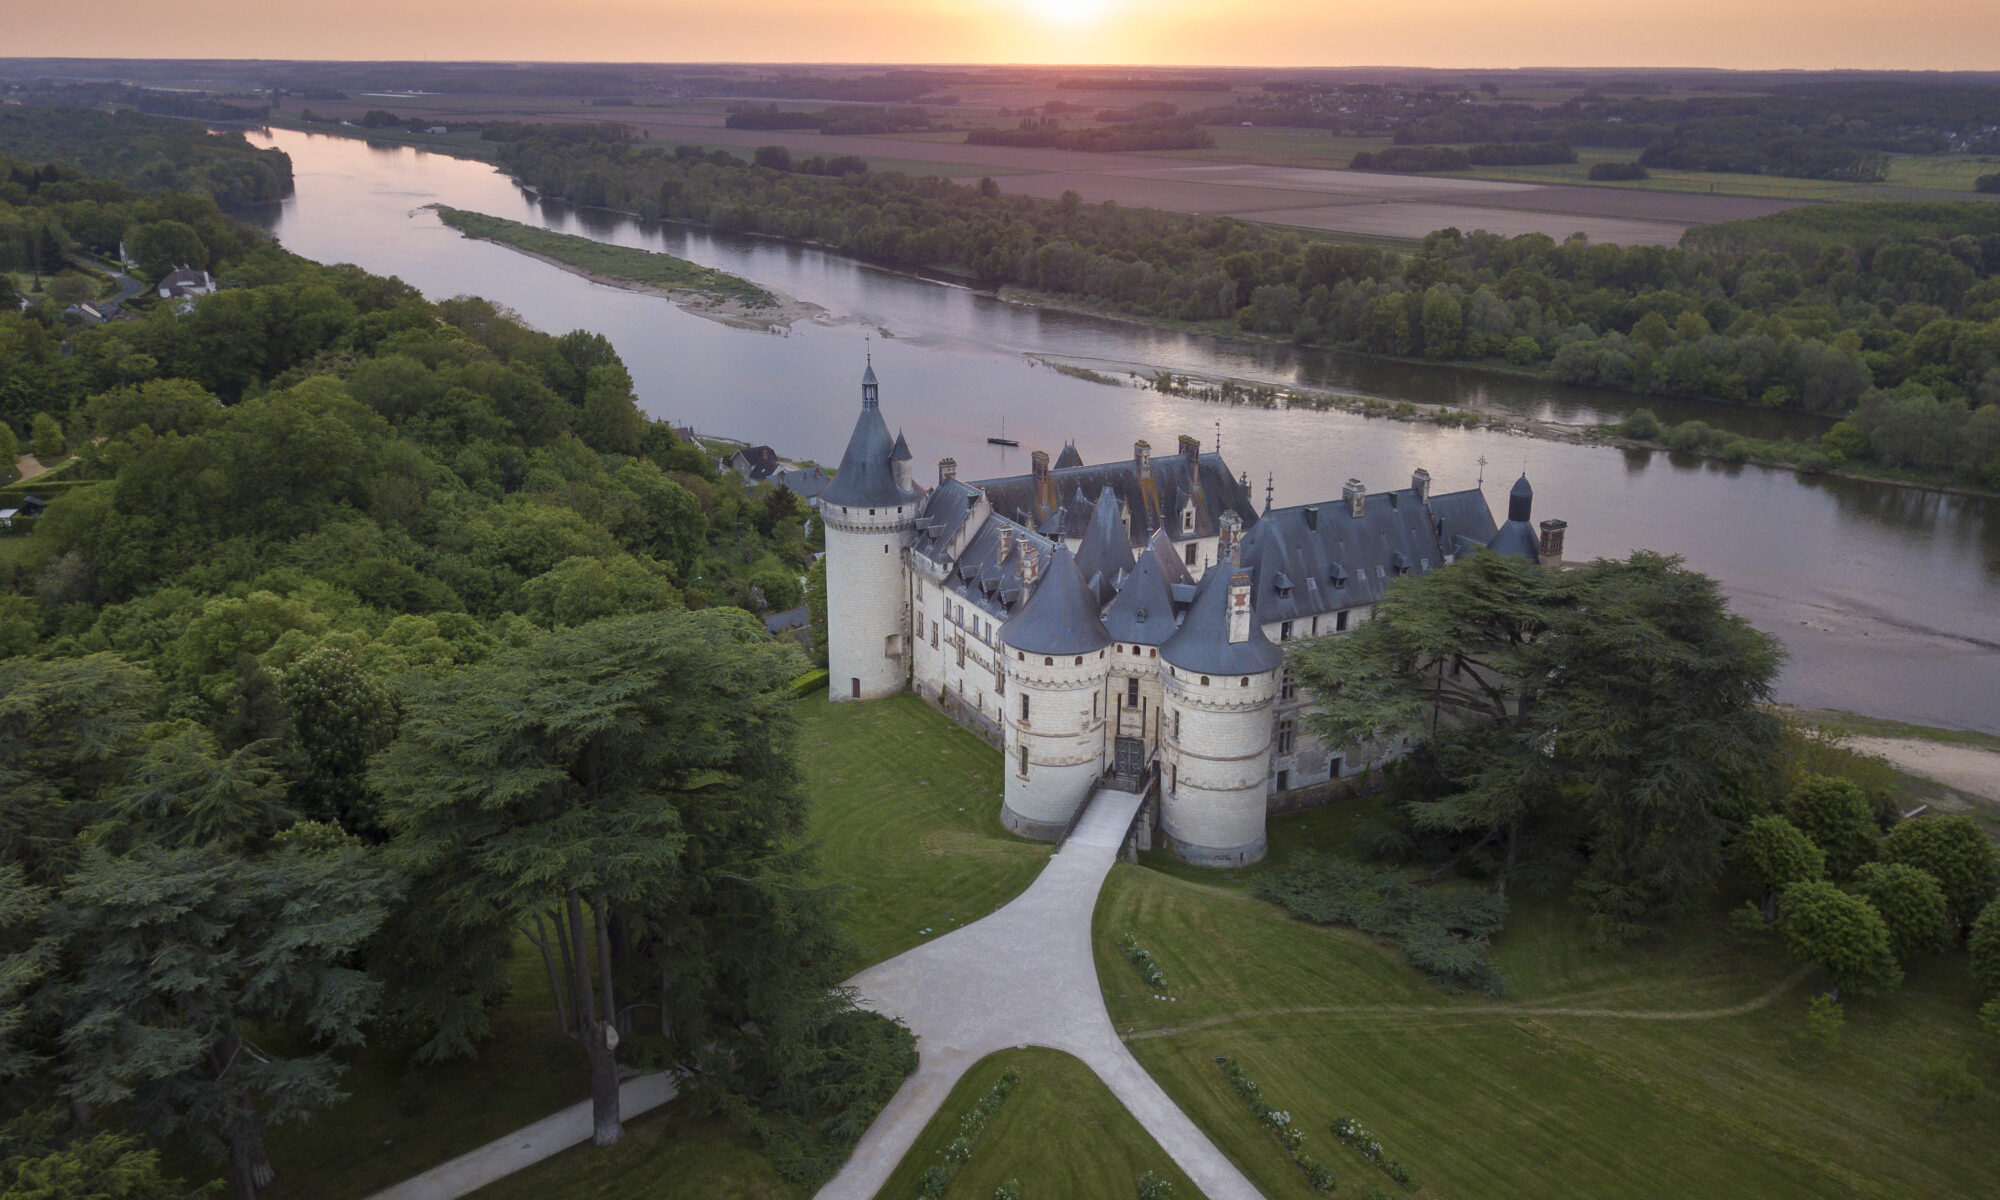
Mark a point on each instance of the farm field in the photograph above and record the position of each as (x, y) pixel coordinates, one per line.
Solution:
(1060, 1133)
(1665, 1069)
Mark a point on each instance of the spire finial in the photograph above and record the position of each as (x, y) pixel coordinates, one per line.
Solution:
(1482, 470)
(1270, 483)
(1218, 437)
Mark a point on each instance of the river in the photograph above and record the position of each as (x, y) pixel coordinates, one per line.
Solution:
(1887, 598)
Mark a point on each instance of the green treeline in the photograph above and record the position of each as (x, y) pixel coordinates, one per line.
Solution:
(1815, 310)
(147, 153)
(366, 643)
(1138, 133)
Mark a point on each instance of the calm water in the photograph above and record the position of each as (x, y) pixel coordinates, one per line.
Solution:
(1888, 598)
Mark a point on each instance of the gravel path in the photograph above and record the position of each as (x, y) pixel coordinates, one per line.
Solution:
(1022, 976)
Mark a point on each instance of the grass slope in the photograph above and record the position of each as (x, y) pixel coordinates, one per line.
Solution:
(1061, 1133)
(625, 264)
(668, 1154)
(906, 813)
(1665, 1070)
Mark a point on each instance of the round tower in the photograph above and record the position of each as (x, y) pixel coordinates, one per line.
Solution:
(1221, 682)
(1056, 652)
(868, 510)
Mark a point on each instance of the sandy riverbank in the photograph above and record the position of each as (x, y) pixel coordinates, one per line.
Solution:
(1973, 771)
(728, 310)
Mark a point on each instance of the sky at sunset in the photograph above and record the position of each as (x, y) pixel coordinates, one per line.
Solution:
(1932, 34)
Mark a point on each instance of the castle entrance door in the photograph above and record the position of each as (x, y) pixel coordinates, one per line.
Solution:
(1130, 759)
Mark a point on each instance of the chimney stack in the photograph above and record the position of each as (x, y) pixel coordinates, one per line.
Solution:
(1355, 495)
(1230, 548)
(1239, 607)
(1312, 517)
(1142, 458)
(1191, 450)
(1006, 542)
(1420, 483)
(1044, 501)
(1552, 544)
(1031, 563)
(947, 469)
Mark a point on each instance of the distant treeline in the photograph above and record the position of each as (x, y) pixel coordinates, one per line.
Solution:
(1084, 83)
(146, 152)
(1450, 158)
(1813, 309)
(1143, 133)
(852, 119)
(893, 87)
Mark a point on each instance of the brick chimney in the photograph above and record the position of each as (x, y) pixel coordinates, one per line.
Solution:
(1191, 450)
(1239, 607)
(1006, 542)
(1031, 563)
(1142, 458)
(947, 469)
(1420, 483)
(1355, 495)
(1230, 548)
(1044, 500)
(1552, 544)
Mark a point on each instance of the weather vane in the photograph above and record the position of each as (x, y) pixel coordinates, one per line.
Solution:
(1482, 470)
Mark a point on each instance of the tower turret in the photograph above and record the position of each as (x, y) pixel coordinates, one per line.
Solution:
(1055, 650)
(869, 510)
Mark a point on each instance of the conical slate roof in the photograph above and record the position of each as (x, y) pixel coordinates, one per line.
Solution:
(901, 452)
(1070, 456)
(1202, 642)
(1105, 553)
(1143, 610)
(867, 478)
(1517, 536)
(1060, 616)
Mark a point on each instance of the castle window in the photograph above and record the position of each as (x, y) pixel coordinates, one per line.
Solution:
(1285, 632)
(1174, 778)
(1094, 710)
(1340, 621)
(1132, 692)
(1153, 653)
(885, 547)
(1024, 762)
(1079, 660)
(1190, 554)
(1048, 662)
(1288, 687)
(1024, 709)
(1284, 738)
(1243, 682)
(934, 635)
(1315, 625)
(1284, 781)
(1204, 681)
(1334, 764)
(1177, 724)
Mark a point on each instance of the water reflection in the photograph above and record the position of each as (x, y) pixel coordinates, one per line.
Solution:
(1886, 597)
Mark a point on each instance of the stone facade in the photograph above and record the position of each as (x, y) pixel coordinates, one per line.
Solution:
(1101, 622)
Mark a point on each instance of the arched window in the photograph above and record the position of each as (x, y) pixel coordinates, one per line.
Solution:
(1204, 681)
(1244, 682)
(1079, 660)
(1048, 662)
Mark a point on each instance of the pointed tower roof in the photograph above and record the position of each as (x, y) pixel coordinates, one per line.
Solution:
(1070, 456)
(1202, 642)
(867, 477)
(1105, 553)
(1060, 616)
(1517, 536)
(1143, 610)
(901, 453)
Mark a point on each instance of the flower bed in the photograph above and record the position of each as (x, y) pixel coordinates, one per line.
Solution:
(1143, 961)
(971, 1126)
(1279, 1122)
(1353, 1136)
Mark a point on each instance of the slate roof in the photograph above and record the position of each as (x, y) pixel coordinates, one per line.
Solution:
(982, 577)
(1308, 562)
(1060, 616)
(1144, 610)
(758, 463)
(1155, 504)
(1070, 456)
(901, 452)
(804, 482)
(1104, 556)
(1202, 642)
(1517, 536)
(867, 476)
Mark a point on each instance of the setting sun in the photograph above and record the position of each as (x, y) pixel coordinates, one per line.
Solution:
(1070, 13)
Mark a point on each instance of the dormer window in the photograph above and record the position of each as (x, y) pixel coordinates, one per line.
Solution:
(1187, 519)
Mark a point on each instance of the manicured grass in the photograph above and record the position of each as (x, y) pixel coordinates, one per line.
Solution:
(906, 813)
(627, 264)
(1667, 1069)
(1061, 1133)
(670, 1153)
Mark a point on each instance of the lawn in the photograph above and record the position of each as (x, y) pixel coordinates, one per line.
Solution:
(1667, 1069)
(906, 812)
(1061, 1133)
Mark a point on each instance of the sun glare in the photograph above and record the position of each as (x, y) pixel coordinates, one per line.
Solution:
(1068, 12)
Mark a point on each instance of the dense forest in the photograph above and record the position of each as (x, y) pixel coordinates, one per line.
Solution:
(147, 153)
(366, 643)
(1885, 313)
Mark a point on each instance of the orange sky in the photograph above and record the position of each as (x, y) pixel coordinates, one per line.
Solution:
(1929, 34)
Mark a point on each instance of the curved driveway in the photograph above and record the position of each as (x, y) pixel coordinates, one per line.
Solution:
(1023, 976)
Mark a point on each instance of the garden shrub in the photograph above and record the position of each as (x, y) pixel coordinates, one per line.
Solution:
(1442, 932)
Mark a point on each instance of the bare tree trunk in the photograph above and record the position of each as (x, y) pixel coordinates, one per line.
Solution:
(539, 935)
(606, 1128)
(249, 1168)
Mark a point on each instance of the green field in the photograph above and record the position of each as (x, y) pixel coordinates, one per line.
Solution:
(626, 264)
(1670, 1069)
(1061, 1133)
(906, 815)
(1277, 146)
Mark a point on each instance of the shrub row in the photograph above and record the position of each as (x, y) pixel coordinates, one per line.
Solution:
(971, 1126)
(1143, 960)
(1279, 1122)
(1359, 1140)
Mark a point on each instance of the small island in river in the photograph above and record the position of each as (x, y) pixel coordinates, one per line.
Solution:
(702, 291)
